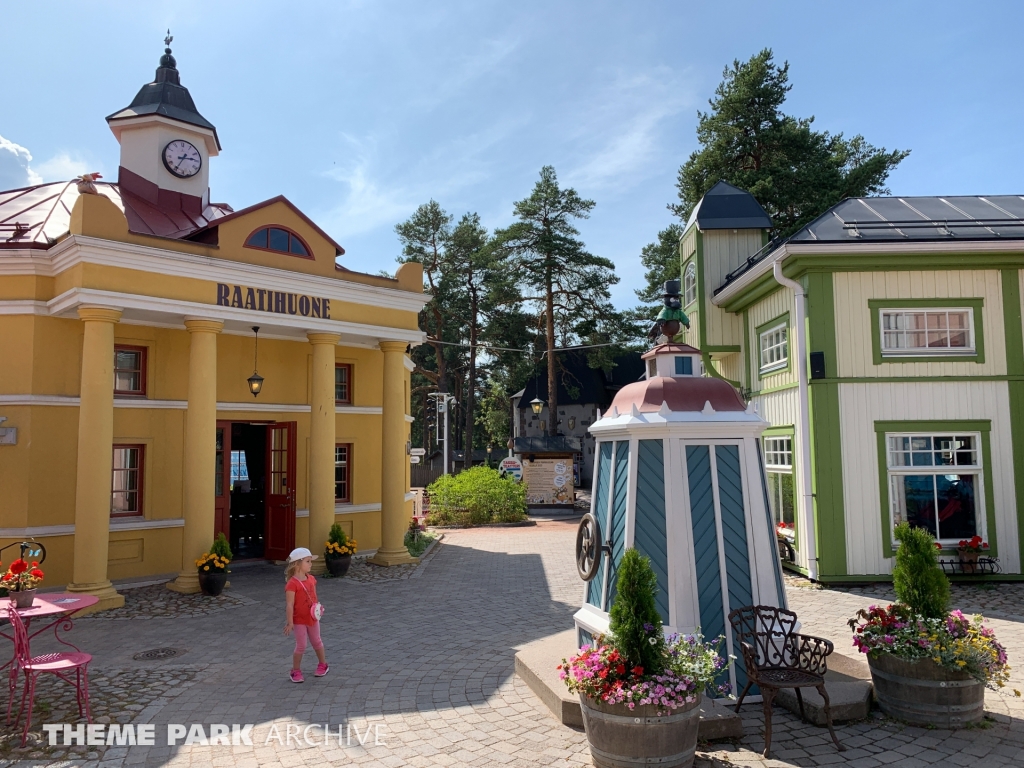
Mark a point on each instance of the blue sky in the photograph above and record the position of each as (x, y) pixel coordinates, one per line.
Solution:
(360, 111)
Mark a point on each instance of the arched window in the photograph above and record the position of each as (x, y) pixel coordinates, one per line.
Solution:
(689, 284)
(278, 240)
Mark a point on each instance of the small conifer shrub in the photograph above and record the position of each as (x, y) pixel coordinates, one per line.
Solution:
(635, 621)
(917, 577)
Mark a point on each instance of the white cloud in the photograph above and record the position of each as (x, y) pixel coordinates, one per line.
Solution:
(18, 170)
(14, 166)
(622, 135)
(62, 167)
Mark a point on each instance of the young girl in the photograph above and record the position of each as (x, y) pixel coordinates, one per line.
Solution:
(300, 599)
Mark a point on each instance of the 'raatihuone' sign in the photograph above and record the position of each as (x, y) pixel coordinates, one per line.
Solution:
(263, 300)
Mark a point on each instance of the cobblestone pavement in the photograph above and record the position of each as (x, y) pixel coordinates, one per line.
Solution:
(157, 602)
(425, 662)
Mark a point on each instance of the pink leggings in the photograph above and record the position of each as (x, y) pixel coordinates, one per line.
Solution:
(301, 631)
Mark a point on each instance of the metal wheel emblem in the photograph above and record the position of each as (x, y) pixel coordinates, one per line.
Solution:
(588, 547)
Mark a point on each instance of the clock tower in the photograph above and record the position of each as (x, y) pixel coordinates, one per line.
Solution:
(165, 143)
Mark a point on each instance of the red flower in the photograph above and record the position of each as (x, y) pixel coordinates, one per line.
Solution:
(603, 674)
(19, 566)
(638, 670)
(35, 564)
(36, 573)
(621, 669)
(937, 545)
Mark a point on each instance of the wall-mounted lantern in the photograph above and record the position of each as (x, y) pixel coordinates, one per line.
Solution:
(537, 404)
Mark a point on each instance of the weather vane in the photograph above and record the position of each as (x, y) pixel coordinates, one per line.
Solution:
(168, 39)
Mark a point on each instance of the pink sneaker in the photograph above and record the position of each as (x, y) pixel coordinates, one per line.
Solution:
(296, 676)
(322, 669)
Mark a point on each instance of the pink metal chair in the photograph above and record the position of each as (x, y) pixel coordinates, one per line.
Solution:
(59, 664)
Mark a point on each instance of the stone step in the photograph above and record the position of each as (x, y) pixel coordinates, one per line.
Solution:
(849, 701)
(536, 665)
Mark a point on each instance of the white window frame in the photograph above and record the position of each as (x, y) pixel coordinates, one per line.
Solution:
(774, 448)
(887, 351)
(778, 364)
(977, 469)
(690, 284)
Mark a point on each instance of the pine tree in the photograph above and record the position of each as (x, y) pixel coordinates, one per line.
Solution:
(635, 621)
(917, 577)
(795, 172)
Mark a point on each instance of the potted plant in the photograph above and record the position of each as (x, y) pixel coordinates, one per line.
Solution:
(928, 666)
(338, 551)
(639, 690)
(213, 567)
(969, 550)
(21, 581)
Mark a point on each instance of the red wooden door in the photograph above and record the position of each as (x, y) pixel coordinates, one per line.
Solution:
(280, 498)
(222, 481)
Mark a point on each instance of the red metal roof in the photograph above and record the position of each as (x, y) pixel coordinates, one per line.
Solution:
(686, 393)
(35, 217)
(670, 349)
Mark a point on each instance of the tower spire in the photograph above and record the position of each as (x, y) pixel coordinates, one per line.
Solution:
(167, 72)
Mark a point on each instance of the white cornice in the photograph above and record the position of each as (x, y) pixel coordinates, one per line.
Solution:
(409, 364)
(152, 306)
(23, 307)
(861, 249)
(79, 249)
(345, 509)
(122, 524)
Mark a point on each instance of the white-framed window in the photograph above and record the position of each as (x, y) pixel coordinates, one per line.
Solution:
(774, 348)
(778, 460)
(689, 284)
(935, 483)
(927, 331)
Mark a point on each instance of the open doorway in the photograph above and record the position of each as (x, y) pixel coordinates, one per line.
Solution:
(254, 490)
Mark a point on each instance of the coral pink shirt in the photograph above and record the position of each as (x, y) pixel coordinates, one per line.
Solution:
(305, 598)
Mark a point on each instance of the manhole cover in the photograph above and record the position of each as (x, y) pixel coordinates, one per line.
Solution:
(158, 654)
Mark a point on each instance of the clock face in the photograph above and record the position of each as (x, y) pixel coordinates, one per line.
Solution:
(182, 159)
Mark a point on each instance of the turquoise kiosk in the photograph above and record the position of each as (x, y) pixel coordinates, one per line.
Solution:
(680, 477)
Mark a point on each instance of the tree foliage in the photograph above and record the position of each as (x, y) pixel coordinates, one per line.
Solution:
(556, 274)
(661, 262)
(917, 577)
(795, 172)
(635, 621)
(476, 496)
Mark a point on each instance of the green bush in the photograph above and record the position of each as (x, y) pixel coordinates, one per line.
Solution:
(917, 577)
(635, 621)
(336, 535)
(220, 547)
(476, 496)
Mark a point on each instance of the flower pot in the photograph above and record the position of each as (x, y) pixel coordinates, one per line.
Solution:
(969, 562)
(212, 584)
(23, 598)
(923, 693)
(338, 564)
(620, 736)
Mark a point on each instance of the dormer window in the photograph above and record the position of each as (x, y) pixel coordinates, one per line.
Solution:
(684, 365)
(278, 240)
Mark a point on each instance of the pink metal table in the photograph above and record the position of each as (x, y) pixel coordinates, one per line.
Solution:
(56, 605)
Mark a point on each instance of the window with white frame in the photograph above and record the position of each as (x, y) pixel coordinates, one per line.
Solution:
(927, 331)
(689, 284)
(778, 460)
(774, 348)
(935, 483)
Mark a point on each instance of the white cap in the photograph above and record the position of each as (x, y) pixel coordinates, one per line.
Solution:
(298, 553)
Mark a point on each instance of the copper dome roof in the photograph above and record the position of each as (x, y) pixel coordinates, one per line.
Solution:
(684, 393)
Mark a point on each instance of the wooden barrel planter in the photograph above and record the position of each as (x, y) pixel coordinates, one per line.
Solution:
(621, 737)
(923, 693)
(338, 566)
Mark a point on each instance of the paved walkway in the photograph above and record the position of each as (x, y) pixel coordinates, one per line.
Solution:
(426, 664)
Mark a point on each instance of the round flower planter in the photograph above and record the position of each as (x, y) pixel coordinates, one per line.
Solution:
(23, 598)
(923, 693)
(969, 562)
(338, 565)
(620, 736)
(212, 584)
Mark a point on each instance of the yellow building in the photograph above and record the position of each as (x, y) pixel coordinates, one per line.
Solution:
(127, 317)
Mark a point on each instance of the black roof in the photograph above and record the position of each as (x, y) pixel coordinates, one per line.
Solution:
(918, 218)
(902, 219)
(166, 96)
(548, 444)
(727, 207)
(593, 385)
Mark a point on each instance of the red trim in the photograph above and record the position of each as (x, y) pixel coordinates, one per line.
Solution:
(264, 204)
(348, 479)
(348, 400)
(141, 473)
(292, 232)
(143, 359)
